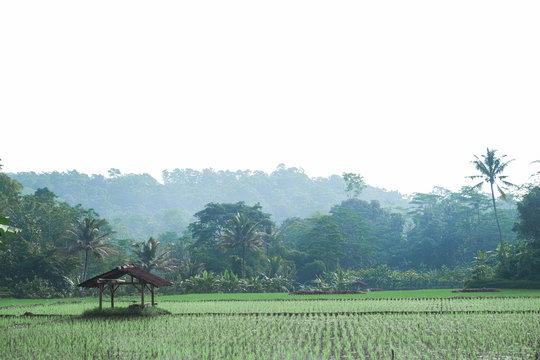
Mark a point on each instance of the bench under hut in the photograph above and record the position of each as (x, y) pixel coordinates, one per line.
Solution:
(136, 277)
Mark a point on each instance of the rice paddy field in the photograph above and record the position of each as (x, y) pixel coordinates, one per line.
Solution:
(436, 324)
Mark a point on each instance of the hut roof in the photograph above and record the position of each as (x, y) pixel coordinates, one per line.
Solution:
(129, 269)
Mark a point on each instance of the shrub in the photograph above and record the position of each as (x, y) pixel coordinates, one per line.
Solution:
(503, 284)
(37, 288)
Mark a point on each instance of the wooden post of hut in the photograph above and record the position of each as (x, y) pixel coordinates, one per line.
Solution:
(100, 296)
(111, 289)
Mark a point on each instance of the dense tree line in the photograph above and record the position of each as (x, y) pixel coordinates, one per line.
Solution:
(441, 238)
(36, 259)
(231, 245)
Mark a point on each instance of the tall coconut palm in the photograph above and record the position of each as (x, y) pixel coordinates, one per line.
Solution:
(242, 234)
(91, 236)
(491, 168)
(148, 258)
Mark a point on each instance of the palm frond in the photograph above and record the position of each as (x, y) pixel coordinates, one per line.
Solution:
(502, 166)
(478, 186)
(509, 184)
(502, 195)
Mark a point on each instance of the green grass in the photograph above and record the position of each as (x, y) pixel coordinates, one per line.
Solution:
(26, 302)
(448, 336)
(395, 294)
(294, 306)
(418, 324)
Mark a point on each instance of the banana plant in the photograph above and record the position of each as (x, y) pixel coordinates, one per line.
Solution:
(6, 230)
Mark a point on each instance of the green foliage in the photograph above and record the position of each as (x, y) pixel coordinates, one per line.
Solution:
(146, 207)
(39, 288)
(10, 193)
(9, 198)
(114, 172)
(449, 228)
(242, 233)
(234, 247)
(529, 218)
(211, 222)
(203, 283)
(528, 229)
(90, 236)
(338, 280)
(279, 267)
(357, 234)
(491, 168)
(148, 258)
(355, 184)
(502, 284)
(521, 260)
(361, 240)
(311, 271)
(6, 230)
(483, 266)
(276, 283)
(321, 240)
(386, 278)
(214, 222)
(372, 234)
(37, 262)
(517, 261)
(228, 282)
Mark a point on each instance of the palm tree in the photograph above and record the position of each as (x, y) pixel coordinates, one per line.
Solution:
(491, 167)
(91, 236)
(190, 268)
(148, 258)
(243, 234)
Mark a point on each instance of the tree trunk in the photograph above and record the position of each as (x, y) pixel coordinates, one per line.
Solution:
(85, 269)
(243, 261)
(503, 251)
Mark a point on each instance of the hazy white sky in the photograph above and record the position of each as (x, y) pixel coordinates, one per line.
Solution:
(402, 92)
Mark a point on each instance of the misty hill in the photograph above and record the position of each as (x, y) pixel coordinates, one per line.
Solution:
(139, 206)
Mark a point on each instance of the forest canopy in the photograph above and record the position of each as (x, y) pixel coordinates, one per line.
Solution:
(252, 231)
(142, 206)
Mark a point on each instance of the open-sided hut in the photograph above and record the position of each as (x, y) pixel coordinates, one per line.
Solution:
(112, 281)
